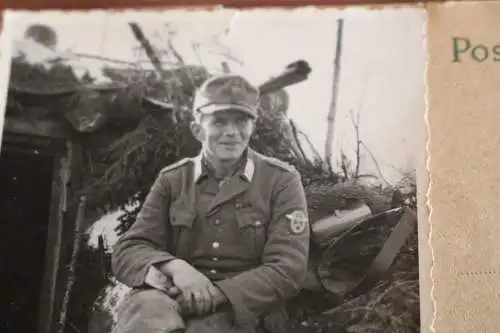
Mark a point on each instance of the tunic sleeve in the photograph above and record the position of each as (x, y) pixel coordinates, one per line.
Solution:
(145, 243)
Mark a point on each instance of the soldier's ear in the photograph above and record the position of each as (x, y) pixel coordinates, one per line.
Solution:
(196, 129)
(254, 125)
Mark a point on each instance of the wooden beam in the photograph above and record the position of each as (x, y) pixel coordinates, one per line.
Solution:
(44, 128)
(29, 144)
(55, 241)
(146, 45)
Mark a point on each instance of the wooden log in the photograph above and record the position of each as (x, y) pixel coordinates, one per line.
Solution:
(42, 128)
(330, 227)
(294, 73)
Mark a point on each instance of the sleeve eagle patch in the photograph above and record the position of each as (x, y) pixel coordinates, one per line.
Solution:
(298, 221)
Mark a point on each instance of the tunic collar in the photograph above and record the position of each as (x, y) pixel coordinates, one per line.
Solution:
(246, 167)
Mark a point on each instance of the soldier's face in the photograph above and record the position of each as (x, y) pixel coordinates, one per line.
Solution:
(225, 134)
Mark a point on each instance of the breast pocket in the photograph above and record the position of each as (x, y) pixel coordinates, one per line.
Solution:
(253, 230)
(181, 220)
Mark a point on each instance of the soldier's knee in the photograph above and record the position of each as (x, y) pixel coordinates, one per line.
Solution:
(151, 300)
(149, 311)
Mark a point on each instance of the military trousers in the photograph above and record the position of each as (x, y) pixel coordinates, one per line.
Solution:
(153, 311)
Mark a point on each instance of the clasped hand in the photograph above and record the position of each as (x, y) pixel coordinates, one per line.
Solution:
(192, 290)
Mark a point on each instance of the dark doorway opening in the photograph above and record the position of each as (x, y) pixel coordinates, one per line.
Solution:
(26, 178)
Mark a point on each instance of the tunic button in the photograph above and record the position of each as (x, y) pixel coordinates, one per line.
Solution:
(213, 271)
(217, 222)
(258, 223)
(215, 245)
(215, 259)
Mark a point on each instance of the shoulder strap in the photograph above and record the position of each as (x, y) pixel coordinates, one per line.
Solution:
(175, 165)
(392, 246)
(379, 265)
(278, 163)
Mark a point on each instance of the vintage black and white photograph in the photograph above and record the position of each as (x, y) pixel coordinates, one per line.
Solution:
(211, 171)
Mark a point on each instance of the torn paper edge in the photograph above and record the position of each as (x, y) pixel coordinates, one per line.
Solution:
(5, 64)
(426, 262)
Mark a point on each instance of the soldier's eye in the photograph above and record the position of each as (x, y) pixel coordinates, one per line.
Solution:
(241, 121)
(219, 122)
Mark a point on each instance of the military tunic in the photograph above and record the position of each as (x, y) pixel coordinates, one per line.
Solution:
(250, 235)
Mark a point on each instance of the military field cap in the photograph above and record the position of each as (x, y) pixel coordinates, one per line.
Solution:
(226, 92)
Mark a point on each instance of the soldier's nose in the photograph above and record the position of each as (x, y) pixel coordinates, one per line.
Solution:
(231, 129)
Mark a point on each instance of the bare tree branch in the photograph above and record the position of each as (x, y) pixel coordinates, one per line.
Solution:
(117, 61)
(355, 124)
(146, 45)
(224, 50)
(333, 105)
(171, 47)
(311, 146)
(379, 170)
(196, 49)
(225, 67)
(344, 165)
(73, 327)
(297, 144)
(227, 56)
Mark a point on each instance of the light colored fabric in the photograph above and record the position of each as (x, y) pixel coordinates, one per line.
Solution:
(152, 311)
(148, 311)
(220, 322)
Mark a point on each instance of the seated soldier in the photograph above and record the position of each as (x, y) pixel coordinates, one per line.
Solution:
(222, 239)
